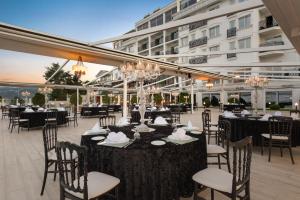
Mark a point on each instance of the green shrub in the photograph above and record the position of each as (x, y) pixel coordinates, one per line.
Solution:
(233, 100)
(73, 99)
(214, 101)
(206, 102)
(38, 99)
(157, 99)
(133, 100)
(274, 107)
(182, 97)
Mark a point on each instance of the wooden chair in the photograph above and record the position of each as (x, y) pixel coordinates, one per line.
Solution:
(234, 184)
(280, 135)
(80, 184)
(175, 116)
(207, 127)
(49, 140)
(221, 149)
(4, 112)
(105, 121)
(51, 117)
(15, 121)
(73, 118)
(209, 112)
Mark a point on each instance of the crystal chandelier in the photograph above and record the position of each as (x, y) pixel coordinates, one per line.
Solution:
(256, 81)
(45, 90)
(79, 69)
(25, 93)
(141, 71)
(153, 90)
(209, 84)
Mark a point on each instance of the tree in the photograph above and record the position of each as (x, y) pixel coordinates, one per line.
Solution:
(61, 78)
(157, 99)
(182, 98)
(206, 102)
(105, 97)
(233, 100)
(38, 99)
(214, 101)
(133, 100)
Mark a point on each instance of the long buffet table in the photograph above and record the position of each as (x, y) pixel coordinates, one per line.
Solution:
(37, 119)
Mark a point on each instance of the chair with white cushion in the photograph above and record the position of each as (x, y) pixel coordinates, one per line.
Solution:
(208, 129)
(221, 149)
(234, 185)
(280, 135)
(75, 180)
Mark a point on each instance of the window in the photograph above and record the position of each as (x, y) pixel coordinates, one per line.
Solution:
(245, 43)
(186, 3)
(169, 14)
(245, 22)
(143, 26)
(240, 1)
(231, 24)
(204, 50)
(214, 32)
(214, 7)
(204, 33)
(184, 41)
(131, 49)
(157, 21)
(232, 45)
(193, 37)
(215, 48)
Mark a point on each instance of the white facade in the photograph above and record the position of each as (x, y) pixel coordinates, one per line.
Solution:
(248, 29)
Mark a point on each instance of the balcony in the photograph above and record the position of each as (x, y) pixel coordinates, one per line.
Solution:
(198, 60)
(195, 25)
(271, 43)
(198, 42)
(172, 51)
(158, 53)
(268, 22)
(188, 10)
(157, 42)
(143, 47)
(231, 55)
(231, 32)
(266, 54)
(172, 36)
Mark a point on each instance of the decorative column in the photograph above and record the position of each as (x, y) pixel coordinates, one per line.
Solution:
(119, 100)
(77, 103)
(125, 110)
(192, 96)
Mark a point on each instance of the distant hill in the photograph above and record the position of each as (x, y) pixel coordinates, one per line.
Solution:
(11, 92)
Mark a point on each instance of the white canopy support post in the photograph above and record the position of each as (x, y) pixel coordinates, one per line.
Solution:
(77, 103)
(222, 92)
(125, 110)
(264, 99)
(192, 96)
(51, 77)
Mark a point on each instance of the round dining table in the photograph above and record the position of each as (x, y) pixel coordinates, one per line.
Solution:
(38, 119)
(146, 171)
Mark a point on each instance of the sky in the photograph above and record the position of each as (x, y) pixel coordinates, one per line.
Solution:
(83, 20)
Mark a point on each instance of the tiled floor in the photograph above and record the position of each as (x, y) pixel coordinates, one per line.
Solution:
(22, 164)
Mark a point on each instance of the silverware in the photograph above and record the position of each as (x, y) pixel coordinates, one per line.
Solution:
(129, 143)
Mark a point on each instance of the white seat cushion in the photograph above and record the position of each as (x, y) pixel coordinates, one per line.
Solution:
(275, 137)
(213, 128)
(215, 178)
(52, 155)
(98, 184)
(215, 149)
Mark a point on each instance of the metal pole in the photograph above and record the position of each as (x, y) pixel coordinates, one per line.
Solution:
(125, 111)
(77, 107)
(192, 96)
(57, 71)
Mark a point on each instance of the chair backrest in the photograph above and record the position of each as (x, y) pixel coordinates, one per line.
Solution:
(14, 114)
(223, 135)
(72, 163)
(51, 114)
(209, 113)
(175, 117)
(49, 138)
(242, 156)
(280, 126)
(205, 121)
(105, 121)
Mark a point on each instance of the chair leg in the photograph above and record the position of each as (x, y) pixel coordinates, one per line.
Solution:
(19, 128)
(270, 150)
(195, 191)
(262, 146)
(291, 154)
(219, 161)
(117, 193)
(212, 194)
(228, 162)
(247, 190)
(55, 171)
(62, 193)
(281, 153)
(208, 137)
(45, 178)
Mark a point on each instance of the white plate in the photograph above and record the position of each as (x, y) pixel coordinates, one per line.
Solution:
(158, 142)
(97, 138)
(196, 132)
(117, 142)
(193, 128)
(187, 137)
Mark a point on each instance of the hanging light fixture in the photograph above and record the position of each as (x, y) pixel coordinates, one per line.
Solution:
(79, 69)
(209, 84)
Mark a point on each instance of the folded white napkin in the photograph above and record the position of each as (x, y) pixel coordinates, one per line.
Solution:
(228, 114)
(266, 117)
(13, 106)
(160, 121)
(61, 109)
(123, 121)
(40, 109)
(245, 112)
(162, 109)
(90, 105)
(100, 105)
(28, 110)
(96, 127)
(135, 109)
(119, 137)
(277, 113)
(189, 125)
(179, 135)
(294, 115)
(153, 108)
(167, 108)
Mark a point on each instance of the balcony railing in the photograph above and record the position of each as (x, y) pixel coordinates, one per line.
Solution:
(231, 32)
(231, 55)
(198, 42)
(272, 43)
(198, 60)
(143, 47)
(158, 53)
(172, 51)
(268, 22)
(157, 42)
(172, 36)
(195, 25)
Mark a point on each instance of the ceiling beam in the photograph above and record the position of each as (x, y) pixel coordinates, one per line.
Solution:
(269, 64)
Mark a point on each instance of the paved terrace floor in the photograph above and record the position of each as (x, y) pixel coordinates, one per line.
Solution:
(22, 164)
